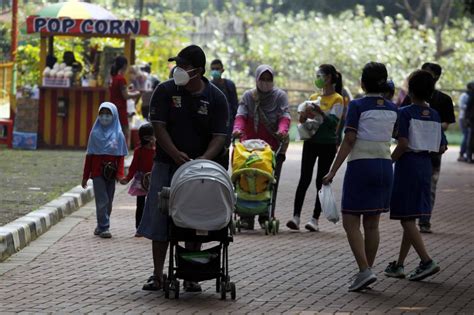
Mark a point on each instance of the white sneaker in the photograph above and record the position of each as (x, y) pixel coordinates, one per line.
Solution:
(362, 280)
(294, 224)
(312, 225)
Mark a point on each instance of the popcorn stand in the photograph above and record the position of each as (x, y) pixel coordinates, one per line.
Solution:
(70, 97)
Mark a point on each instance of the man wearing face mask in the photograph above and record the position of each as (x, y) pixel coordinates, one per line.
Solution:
(190, 119)
(228, 88)
(263, 113)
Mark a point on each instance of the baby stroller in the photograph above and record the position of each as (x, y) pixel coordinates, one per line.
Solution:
(200, 203)
(253, 164)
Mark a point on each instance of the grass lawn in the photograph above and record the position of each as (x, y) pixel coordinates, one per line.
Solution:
(29, 179)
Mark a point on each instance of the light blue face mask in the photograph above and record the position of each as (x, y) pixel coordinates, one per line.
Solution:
(105, 119)
(216, 74)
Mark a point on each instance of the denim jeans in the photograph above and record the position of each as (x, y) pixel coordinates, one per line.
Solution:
(104, 196)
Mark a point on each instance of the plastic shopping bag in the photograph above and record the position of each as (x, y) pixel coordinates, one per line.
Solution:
(328, 204)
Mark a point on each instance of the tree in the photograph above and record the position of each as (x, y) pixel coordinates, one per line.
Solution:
(423, 13)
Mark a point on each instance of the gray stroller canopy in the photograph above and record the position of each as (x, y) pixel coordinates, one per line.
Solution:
(201, 196)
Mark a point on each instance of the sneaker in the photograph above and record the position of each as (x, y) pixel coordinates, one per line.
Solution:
(395, 271)
(191, 286)
(105, 234)
(97, 232)
(424, 270)
(312, 225)
(425, 229)
(362, 280)
(294, 224)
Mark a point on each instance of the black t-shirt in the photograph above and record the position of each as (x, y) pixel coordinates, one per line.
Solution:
(230, 92)
(191, 120)
(440, 102)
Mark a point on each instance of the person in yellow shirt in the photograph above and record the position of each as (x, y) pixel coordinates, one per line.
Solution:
(322, 146)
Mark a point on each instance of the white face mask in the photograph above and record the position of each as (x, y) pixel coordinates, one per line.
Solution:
(105, 119)
(264, 86)
(181, 76)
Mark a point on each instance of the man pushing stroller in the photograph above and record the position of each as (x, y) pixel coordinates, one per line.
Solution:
(190, 118)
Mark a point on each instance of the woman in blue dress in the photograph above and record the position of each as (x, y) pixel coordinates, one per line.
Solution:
(368, 180)
(419, 134)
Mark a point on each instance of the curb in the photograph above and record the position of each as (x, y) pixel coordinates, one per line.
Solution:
(19, 233)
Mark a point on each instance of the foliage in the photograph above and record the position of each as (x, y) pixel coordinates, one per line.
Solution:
(169, 33)
(295, 44)
(4, 42)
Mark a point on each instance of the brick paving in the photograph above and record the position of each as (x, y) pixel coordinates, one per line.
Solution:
(68, 270)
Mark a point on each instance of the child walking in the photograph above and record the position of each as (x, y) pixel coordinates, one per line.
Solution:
(106, 149)
(368, 180)
(419, 134)
(142, 163)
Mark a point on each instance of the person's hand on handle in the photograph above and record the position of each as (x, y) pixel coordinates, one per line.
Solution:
(328, 178)
(84, 183)
(236, 134)
(282, 135)
(181, 158)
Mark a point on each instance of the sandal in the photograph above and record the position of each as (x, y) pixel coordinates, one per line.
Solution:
(152, 284)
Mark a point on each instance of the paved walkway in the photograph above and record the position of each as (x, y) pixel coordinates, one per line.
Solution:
(69, 270)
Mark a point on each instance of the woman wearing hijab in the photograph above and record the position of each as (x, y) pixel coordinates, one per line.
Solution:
(104, 163)
(263, 114)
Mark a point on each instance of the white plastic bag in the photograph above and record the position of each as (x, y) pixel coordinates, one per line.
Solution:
(131, 107)
(328, 203)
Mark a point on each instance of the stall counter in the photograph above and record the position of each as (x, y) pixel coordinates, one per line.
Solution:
(66, 115)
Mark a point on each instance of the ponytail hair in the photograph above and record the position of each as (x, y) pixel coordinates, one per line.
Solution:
(338, 82)
(336, 77)
(119, 63)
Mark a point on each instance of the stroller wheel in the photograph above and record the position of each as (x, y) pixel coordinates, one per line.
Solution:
(223, 290)
(233, 292)
(232, 227)
(274, 227)
(239, 226)
(167, 289)
(176, 289)
(163, 280)
(277, 226)
(267, 228)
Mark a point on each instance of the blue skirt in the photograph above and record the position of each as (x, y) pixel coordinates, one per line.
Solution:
(411, 195)
(367, 187)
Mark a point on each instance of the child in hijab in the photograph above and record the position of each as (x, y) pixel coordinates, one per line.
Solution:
(142, 164)
(104, 162)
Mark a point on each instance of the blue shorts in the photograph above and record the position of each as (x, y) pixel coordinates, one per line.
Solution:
(154, 224)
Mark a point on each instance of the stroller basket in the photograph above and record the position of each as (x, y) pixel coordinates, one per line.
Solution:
(198, 265)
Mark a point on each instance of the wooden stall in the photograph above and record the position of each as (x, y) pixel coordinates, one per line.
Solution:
(67, 111)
